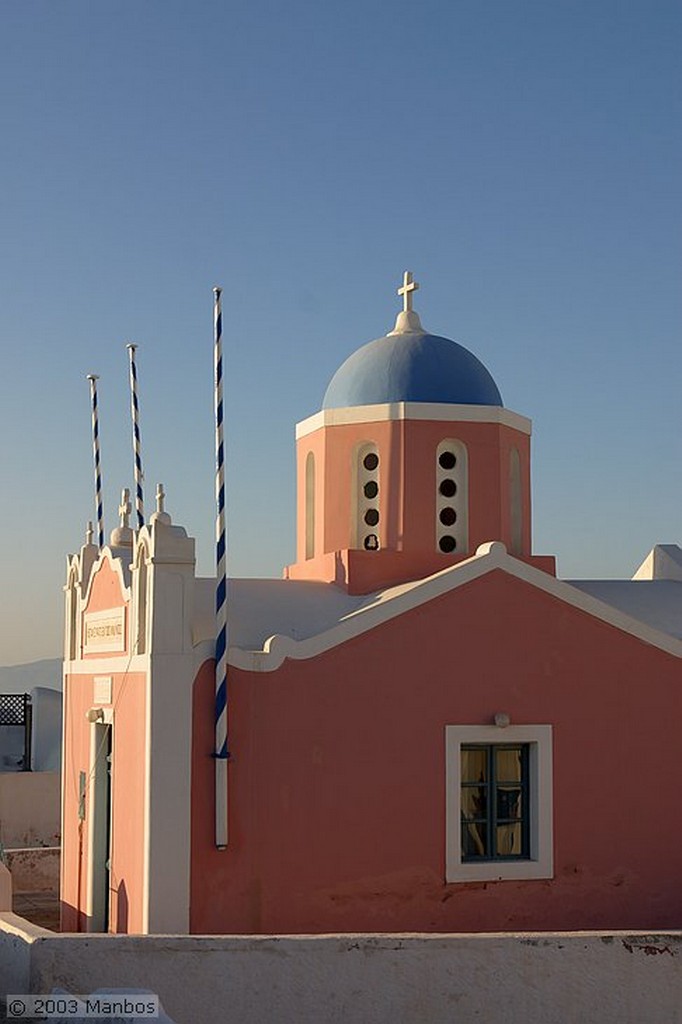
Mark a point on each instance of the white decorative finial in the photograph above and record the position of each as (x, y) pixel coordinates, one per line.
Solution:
(122, 535)
(89, 532)
(409, 286)
(125, 508)
(160, 516)
(407, 321)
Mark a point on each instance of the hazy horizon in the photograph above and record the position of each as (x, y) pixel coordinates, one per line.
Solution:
(22, 677)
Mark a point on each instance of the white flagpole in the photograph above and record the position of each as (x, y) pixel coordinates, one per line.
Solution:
(221, 752)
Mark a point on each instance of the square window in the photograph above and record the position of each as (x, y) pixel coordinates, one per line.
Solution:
(499, 802)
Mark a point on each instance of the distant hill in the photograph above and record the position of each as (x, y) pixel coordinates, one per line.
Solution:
(22, 678)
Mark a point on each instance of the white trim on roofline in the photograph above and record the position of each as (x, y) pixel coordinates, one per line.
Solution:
(116, 563)
(391, 603)
(414, 411)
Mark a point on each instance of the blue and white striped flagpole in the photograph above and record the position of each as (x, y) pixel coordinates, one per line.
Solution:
(93, 378)
(221, 753)
(137, 457)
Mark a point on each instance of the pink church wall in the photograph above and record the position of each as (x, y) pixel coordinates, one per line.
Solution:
(337, 783)
(127, 802)
(128, 840)
(74, 868)
(128, 758)
(105, 593)
(407, 499)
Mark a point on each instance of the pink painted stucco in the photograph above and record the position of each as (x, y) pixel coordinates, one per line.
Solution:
(106, 593)
(407, 480)
(337, 777)
(76, 758)
(361, 572)
(128, 761)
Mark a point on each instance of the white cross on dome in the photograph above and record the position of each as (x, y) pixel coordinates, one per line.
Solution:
(409, 286)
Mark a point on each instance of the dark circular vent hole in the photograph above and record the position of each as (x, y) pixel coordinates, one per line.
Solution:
(447, 543)
(448, 488)
(447, 460)
(371, 489)
(448, 516)
(371, 517)
(371, 461)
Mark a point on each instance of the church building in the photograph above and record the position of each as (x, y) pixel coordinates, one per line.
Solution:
(428, 731)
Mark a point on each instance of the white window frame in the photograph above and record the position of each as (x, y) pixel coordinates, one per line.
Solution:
(459, 501)
(361, 476)
(540, 863)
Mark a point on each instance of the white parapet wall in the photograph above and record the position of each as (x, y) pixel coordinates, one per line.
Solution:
(615, 978)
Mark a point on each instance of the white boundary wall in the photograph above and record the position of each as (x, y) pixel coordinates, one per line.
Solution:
(542, 978)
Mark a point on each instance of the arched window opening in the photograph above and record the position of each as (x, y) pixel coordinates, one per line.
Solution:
(141, 601)
(452, 499)
(310, 505)
(366, 498)
(515, 502)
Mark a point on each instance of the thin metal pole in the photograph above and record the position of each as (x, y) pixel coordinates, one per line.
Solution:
(137, 457)
(221, 753)
(93, 378)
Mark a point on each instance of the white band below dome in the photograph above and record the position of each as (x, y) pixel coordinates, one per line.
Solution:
(414, 411)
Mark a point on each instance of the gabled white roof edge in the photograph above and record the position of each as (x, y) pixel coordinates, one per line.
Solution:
(394, 602)
(116, 563)
(414, 411)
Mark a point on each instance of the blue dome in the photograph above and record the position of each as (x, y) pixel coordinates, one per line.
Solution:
(411, 367)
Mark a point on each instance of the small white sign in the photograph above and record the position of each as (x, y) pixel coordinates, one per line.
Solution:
(104, 631)
(102, 690)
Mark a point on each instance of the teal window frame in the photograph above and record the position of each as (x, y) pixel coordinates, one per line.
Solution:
(493, 788)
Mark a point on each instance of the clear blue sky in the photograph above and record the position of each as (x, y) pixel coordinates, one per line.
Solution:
(523, 159)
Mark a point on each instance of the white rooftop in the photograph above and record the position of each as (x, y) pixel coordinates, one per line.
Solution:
(656, 603)
(296, 611)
